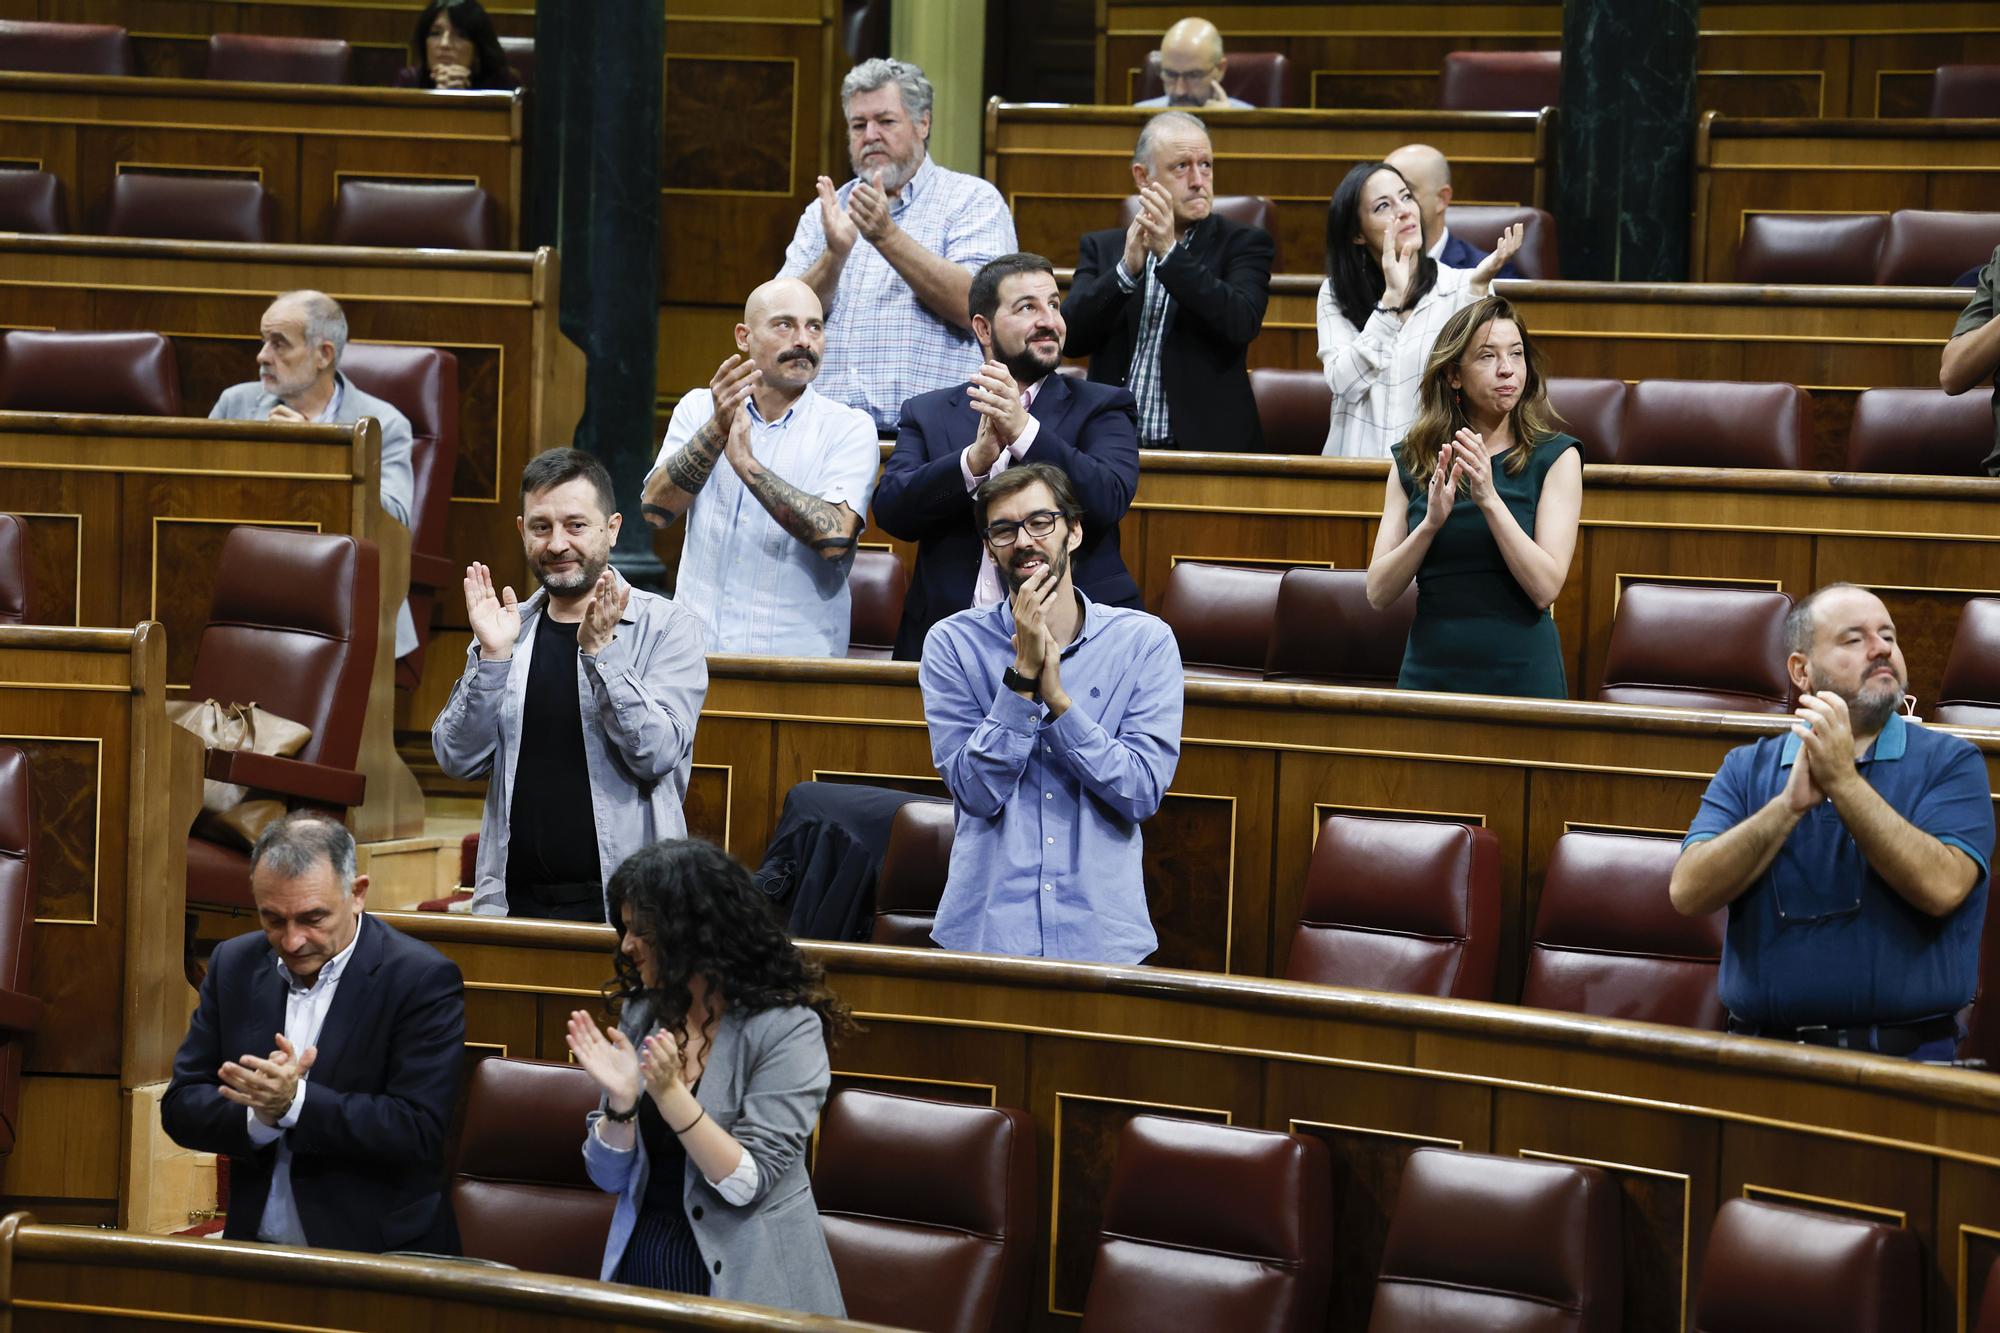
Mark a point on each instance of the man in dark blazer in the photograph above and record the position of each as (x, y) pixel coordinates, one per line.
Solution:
(336, 1137)
(1428, 173)
(1168, 306)
(1017, 409)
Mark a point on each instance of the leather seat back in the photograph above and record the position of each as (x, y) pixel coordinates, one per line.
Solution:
(17, 918)
(442, 216)
(239, 57)
(1593, 410)
(1804, 248)
(1775, 1269)
(1324, 632)
(187, 208)
(1714, 423)
(1294, 407)
(518, 1186)
(928, 1209)
(1969, 693)
(1928, 248)
(16, 591)
(1404, 905)
(33, 201)
(1920, 432)
(913, 873)
(876, 586)
(1222, 616)
(1261, 78)
(1481, 224)
(1680, 647)
(119, 374)
(1969, 92)
(520, 58)
(1500, 81)
(1249, 210)
(65, 48)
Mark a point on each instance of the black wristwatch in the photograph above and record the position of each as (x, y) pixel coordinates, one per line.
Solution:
(618, 1118)
(1019, 683)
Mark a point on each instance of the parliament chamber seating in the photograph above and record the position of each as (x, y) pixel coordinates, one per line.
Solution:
(1250, 210)
(518, 1185)
(33, 201)
(1500, 81)
(1480, 1242)
(1783, 249)
(1931, 248)
(1989, 1305)
(16, 592)
(1213, 1227)
(1222, 616)
(912, 877)
(20, 1010)
(1404, 905)
(1922, 432)
(1294, 408)
(876, 586)
(187, 208)
(1969, 694)
(292, 627)
(1481, 224)
(1608, 942)
(1714, 423)
(929, 1210)
(1593, 410)
(236, 57)
(1324, 632)
(520, 58)
(65, 48)
(132, 374)
(1777, 1269)
(1261, 78)
(1674, 646)
(408, 216)
(1969, 92)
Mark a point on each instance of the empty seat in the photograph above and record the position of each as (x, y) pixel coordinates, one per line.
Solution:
(1681, 647)
(1714, 423)
(1774, 1269)
(1481, 224)
(1261, 78)
(929, 1210)
(16, 592)
(128, 374)
(1479, 1242)
(1966, 91)
(520, 53)
(1294, 407)
(1787, 248)
(20, 1012)
(1922, 432)
(1324, 632)
(1500, 81)
(913, 874)
(1222, 616)
(876, 586)
(1593, 410)
(429, 216)
(187, 208)
(238, 57)
(1927, 248)
(32, 201)
(1969, 693)
(65, 48)
(1250, 210)
(1213, 1227)
(1989, 1303)
(520, 1157)
(1608, 941)
(1402, 905)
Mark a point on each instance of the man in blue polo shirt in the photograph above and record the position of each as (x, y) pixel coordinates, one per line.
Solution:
(1852, 852)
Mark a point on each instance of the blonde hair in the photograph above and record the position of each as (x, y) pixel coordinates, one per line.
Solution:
(1441, 415)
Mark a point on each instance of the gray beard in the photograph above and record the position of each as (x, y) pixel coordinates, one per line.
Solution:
(1867, 713)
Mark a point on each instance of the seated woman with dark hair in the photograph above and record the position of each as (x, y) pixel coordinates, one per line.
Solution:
(713, 1081)
(1481, 510)
(454, 46)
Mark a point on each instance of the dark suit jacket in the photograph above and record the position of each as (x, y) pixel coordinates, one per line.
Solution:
(368, 1149)
(1220, 282)
(1087, 430)
(1461, 253)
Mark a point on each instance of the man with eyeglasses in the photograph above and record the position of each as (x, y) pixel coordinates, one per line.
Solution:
(1852, 852)
(1191, 67)
(1055, 722)
(1017, 409)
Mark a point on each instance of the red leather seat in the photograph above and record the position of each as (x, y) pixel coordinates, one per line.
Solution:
(20, 1012)
(520, 58)
(422, 384)
(1714, 423)
(1261, 78)
(187, 208)
(1920, 432)
(914, 867)
(876, 586)
(929, 1210)
(33, 201)
(1774, 1269)
(124, 374)
(1324, 632)
(1680, 647)
(1608, 941)
(1989, 1304)
(292, 626)
(65, 48)
(1792, 248)
(1249, 210)
(1478, 1242)
(518, 1186)
(1500, 81)
(1969, 692)
(1969, 92)
(16, 591)
(1481, 224)
(238, 57)
(442, 216)
(1926, 248)
(1593, 410)
(1404, 905)
(1222, 616)
(1213, 1227)
(1294, 407)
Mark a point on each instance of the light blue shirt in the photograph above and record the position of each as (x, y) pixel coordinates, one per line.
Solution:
(1045, 860)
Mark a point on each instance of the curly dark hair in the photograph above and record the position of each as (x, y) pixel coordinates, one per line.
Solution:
(469, 19)
(704, 916)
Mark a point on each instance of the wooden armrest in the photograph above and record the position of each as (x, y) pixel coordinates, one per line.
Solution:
(432, 571)
(20, 1012)
(318, 783)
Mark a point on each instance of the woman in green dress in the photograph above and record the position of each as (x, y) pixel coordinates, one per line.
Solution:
(1481, 511)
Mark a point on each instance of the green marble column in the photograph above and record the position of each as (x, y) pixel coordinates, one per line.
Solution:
(1625, 154)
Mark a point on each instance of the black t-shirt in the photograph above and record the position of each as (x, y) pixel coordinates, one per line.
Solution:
(552, 866)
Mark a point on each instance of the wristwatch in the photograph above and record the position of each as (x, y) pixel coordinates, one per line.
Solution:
(1019, 683)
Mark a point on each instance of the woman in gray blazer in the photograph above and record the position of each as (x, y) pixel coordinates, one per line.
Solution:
(712, 1081)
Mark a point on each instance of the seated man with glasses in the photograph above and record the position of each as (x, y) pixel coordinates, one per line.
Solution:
(1852, 852)
(1056, 723)
(1191, 67)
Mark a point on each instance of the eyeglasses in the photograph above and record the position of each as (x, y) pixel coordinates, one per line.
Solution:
(1039, 524)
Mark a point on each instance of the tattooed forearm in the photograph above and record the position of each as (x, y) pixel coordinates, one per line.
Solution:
(827, 528)
(689, 468)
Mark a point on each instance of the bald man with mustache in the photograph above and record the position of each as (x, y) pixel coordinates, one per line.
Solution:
(770, 537)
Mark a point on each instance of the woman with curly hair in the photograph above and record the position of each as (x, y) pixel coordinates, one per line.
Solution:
(712, 1082)
(454, 46)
